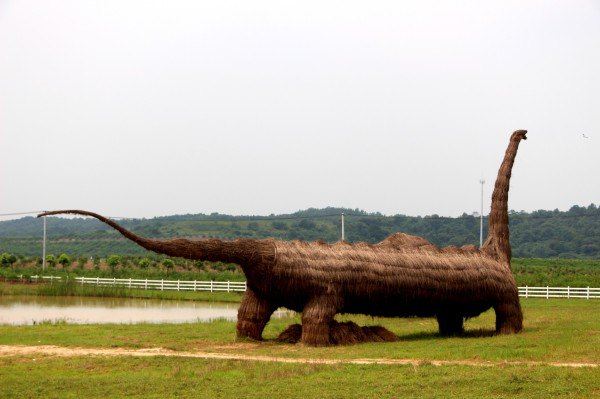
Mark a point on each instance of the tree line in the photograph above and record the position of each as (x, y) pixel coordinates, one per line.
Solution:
(540, 234)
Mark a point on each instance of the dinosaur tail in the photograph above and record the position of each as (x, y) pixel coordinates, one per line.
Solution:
(498, 239)
(239, 251)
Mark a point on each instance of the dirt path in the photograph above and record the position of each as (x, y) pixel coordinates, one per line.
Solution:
(60, 351)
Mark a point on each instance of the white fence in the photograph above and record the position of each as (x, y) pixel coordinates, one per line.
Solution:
(559, 292)
(163, 285)
(240, 286)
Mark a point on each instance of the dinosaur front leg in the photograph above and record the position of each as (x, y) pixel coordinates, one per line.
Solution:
(509, 318)
(253, 315)
(317, 318)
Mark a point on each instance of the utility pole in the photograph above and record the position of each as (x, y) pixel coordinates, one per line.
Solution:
(343, 232)
(44, 246)
(482, 182)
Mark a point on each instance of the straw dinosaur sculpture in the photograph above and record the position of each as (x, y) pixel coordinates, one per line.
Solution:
(402, 276)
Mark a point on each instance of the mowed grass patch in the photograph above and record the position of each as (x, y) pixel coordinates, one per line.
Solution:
(556, 330)
(162, 377)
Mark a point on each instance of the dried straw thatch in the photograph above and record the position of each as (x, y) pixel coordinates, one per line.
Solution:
(401, 276)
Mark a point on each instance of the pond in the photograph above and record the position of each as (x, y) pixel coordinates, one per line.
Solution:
(23, 310)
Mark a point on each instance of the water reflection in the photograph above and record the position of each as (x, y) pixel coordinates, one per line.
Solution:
(82, 310)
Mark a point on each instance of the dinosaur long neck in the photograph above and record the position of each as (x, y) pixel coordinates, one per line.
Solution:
(498, 240)
(242, 251)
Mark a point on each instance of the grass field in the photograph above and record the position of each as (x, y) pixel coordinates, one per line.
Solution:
(73, 289)
(555, 330)
(558, 330)
(557, 272)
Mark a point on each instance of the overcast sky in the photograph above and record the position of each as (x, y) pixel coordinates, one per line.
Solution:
(146, 108)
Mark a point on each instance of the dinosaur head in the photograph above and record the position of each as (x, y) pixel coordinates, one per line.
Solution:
(519, 135)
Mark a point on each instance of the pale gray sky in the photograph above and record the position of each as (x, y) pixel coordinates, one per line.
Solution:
(144, 108)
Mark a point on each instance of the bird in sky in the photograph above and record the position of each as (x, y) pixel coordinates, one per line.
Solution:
(584, 136)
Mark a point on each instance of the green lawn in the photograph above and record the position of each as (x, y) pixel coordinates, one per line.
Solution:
(84, 377)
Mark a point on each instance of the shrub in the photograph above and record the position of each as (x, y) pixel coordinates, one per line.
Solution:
(7, 259)
(231, 267)
(144, 263)
(113, 261)
(279, 225)
(199, 265)
(168, 264)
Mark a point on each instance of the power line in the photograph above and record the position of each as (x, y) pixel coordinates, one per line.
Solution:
(20, 213)
(38, 212)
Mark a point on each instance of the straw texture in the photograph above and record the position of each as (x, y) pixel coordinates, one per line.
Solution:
(402, 276)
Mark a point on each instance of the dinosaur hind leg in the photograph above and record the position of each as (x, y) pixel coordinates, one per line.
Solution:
(450, 323)
(253, 315)
(317, 318)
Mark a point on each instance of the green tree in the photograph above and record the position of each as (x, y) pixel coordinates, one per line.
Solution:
(307, 224)
(279, 225)
(64, 260)
(50, 260)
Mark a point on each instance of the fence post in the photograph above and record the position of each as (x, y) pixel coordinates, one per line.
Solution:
(228, 285)
(114, 281)
(146, 284)
(211, 286)
(177, 285)
(526, 291)
(162, 284)
(194, 285)
(547, 292)
(97, 281)
(568, 291)
(245, 286)
(587, 296)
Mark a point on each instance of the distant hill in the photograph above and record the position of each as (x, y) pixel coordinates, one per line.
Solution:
(541, 234)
